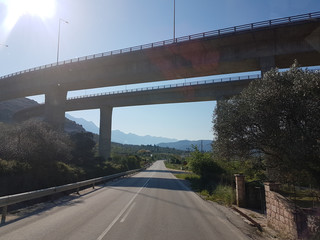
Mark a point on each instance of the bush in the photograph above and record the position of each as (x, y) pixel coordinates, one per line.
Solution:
(203, 165)
(223, 194)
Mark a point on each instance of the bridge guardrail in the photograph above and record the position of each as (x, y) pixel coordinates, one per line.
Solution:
(195, 83)
(21, 197)
(217, 33)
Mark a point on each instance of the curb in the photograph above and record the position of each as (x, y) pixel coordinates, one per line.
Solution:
(248, 218)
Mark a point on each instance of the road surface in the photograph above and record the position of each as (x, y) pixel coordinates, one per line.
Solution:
(152, 204)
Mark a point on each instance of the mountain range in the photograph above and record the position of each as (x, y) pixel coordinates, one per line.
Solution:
(73, 124)
(186, 145)
(130, 138)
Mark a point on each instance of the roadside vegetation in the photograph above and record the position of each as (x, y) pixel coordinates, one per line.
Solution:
(205, 176)
(275, 124)
(35, 156)
(270, 132)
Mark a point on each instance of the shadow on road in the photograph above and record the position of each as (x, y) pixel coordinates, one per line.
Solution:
(28, 208)
(167, 171)
(154, 182)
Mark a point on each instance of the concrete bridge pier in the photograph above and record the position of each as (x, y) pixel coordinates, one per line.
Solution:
(266, 64)
(105, 132)
(55, 101)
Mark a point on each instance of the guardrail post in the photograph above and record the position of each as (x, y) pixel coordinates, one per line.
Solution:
(4, 214)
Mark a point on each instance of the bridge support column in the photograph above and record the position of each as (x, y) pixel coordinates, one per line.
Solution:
(105, 132)
(266, 64)
(55, 101)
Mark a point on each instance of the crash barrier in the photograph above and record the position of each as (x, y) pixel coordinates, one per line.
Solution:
(21, 197)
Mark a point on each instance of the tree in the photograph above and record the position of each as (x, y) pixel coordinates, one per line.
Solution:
(202, 164)
(83, 148)
(34, 142)
(34, 156)
(276, 118)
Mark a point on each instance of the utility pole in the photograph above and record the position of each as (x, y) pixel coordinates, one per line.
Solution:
(60, 20)
(174, 20)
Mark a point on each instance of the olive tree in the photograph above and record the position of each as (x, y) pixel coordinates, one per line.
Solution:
(34, 142)
(277, 118)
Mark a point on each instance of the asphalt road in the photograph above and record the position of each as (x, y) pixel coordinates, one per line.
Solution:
(152, 204)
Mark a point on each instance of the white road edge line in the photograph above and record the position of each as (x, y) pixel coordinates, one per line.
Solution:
(120, 214)
(203, 203)
(125, 216)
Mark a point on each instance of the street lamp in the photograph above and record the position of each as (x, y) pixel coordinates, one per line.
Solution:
(5, 45)
(174, 20)
(60, 20)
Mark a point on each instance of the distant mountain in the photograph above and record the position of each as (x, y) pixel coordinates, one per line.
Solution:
(10, 107)
(87, 125)
(120, 137)
(129, 138)
(124, 138)
(186, 145)
(73, 124)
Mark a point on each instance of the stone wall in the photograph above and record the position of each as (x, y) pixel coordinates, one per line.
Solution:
(284, 216)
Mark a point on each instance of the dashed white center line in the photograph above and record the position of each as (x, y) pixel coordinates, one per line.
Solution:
(122, 212)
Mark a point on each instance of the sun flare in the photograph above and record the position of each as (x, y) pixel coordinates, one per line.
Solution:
(17, 8)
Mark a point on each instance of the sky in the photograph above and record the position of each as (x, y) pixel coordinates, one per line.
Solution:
(30, 29)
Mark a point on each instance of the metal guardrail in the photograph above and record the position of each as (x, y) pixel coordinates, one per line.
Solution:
(195, 83)
(21, 197)
(215, 33)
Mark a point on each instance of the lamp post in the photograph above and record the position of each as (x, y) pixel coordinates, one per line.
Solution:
(60, 20)
(174, 20)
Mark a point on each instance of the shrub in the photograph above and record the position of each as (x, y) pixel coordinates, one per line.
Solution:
(203, 165)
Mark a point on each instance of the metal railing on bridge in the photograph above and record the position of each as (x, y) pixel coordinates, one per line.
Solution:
(215, 33)
(167, 86)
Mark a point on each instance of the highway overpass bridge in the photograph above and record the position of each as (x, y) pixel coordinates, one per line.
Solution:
(207, 90)
(251, 47)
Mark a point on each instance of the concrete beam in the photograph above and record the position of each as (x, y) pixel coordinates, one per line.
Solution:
(105, 132)
(193, 93)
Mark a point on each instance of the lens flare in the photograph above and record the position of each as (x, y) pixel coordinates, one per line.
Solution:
(17, 8)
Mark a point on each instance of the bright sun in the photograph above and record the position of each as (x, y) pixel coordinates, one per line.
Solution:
(17, 8)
